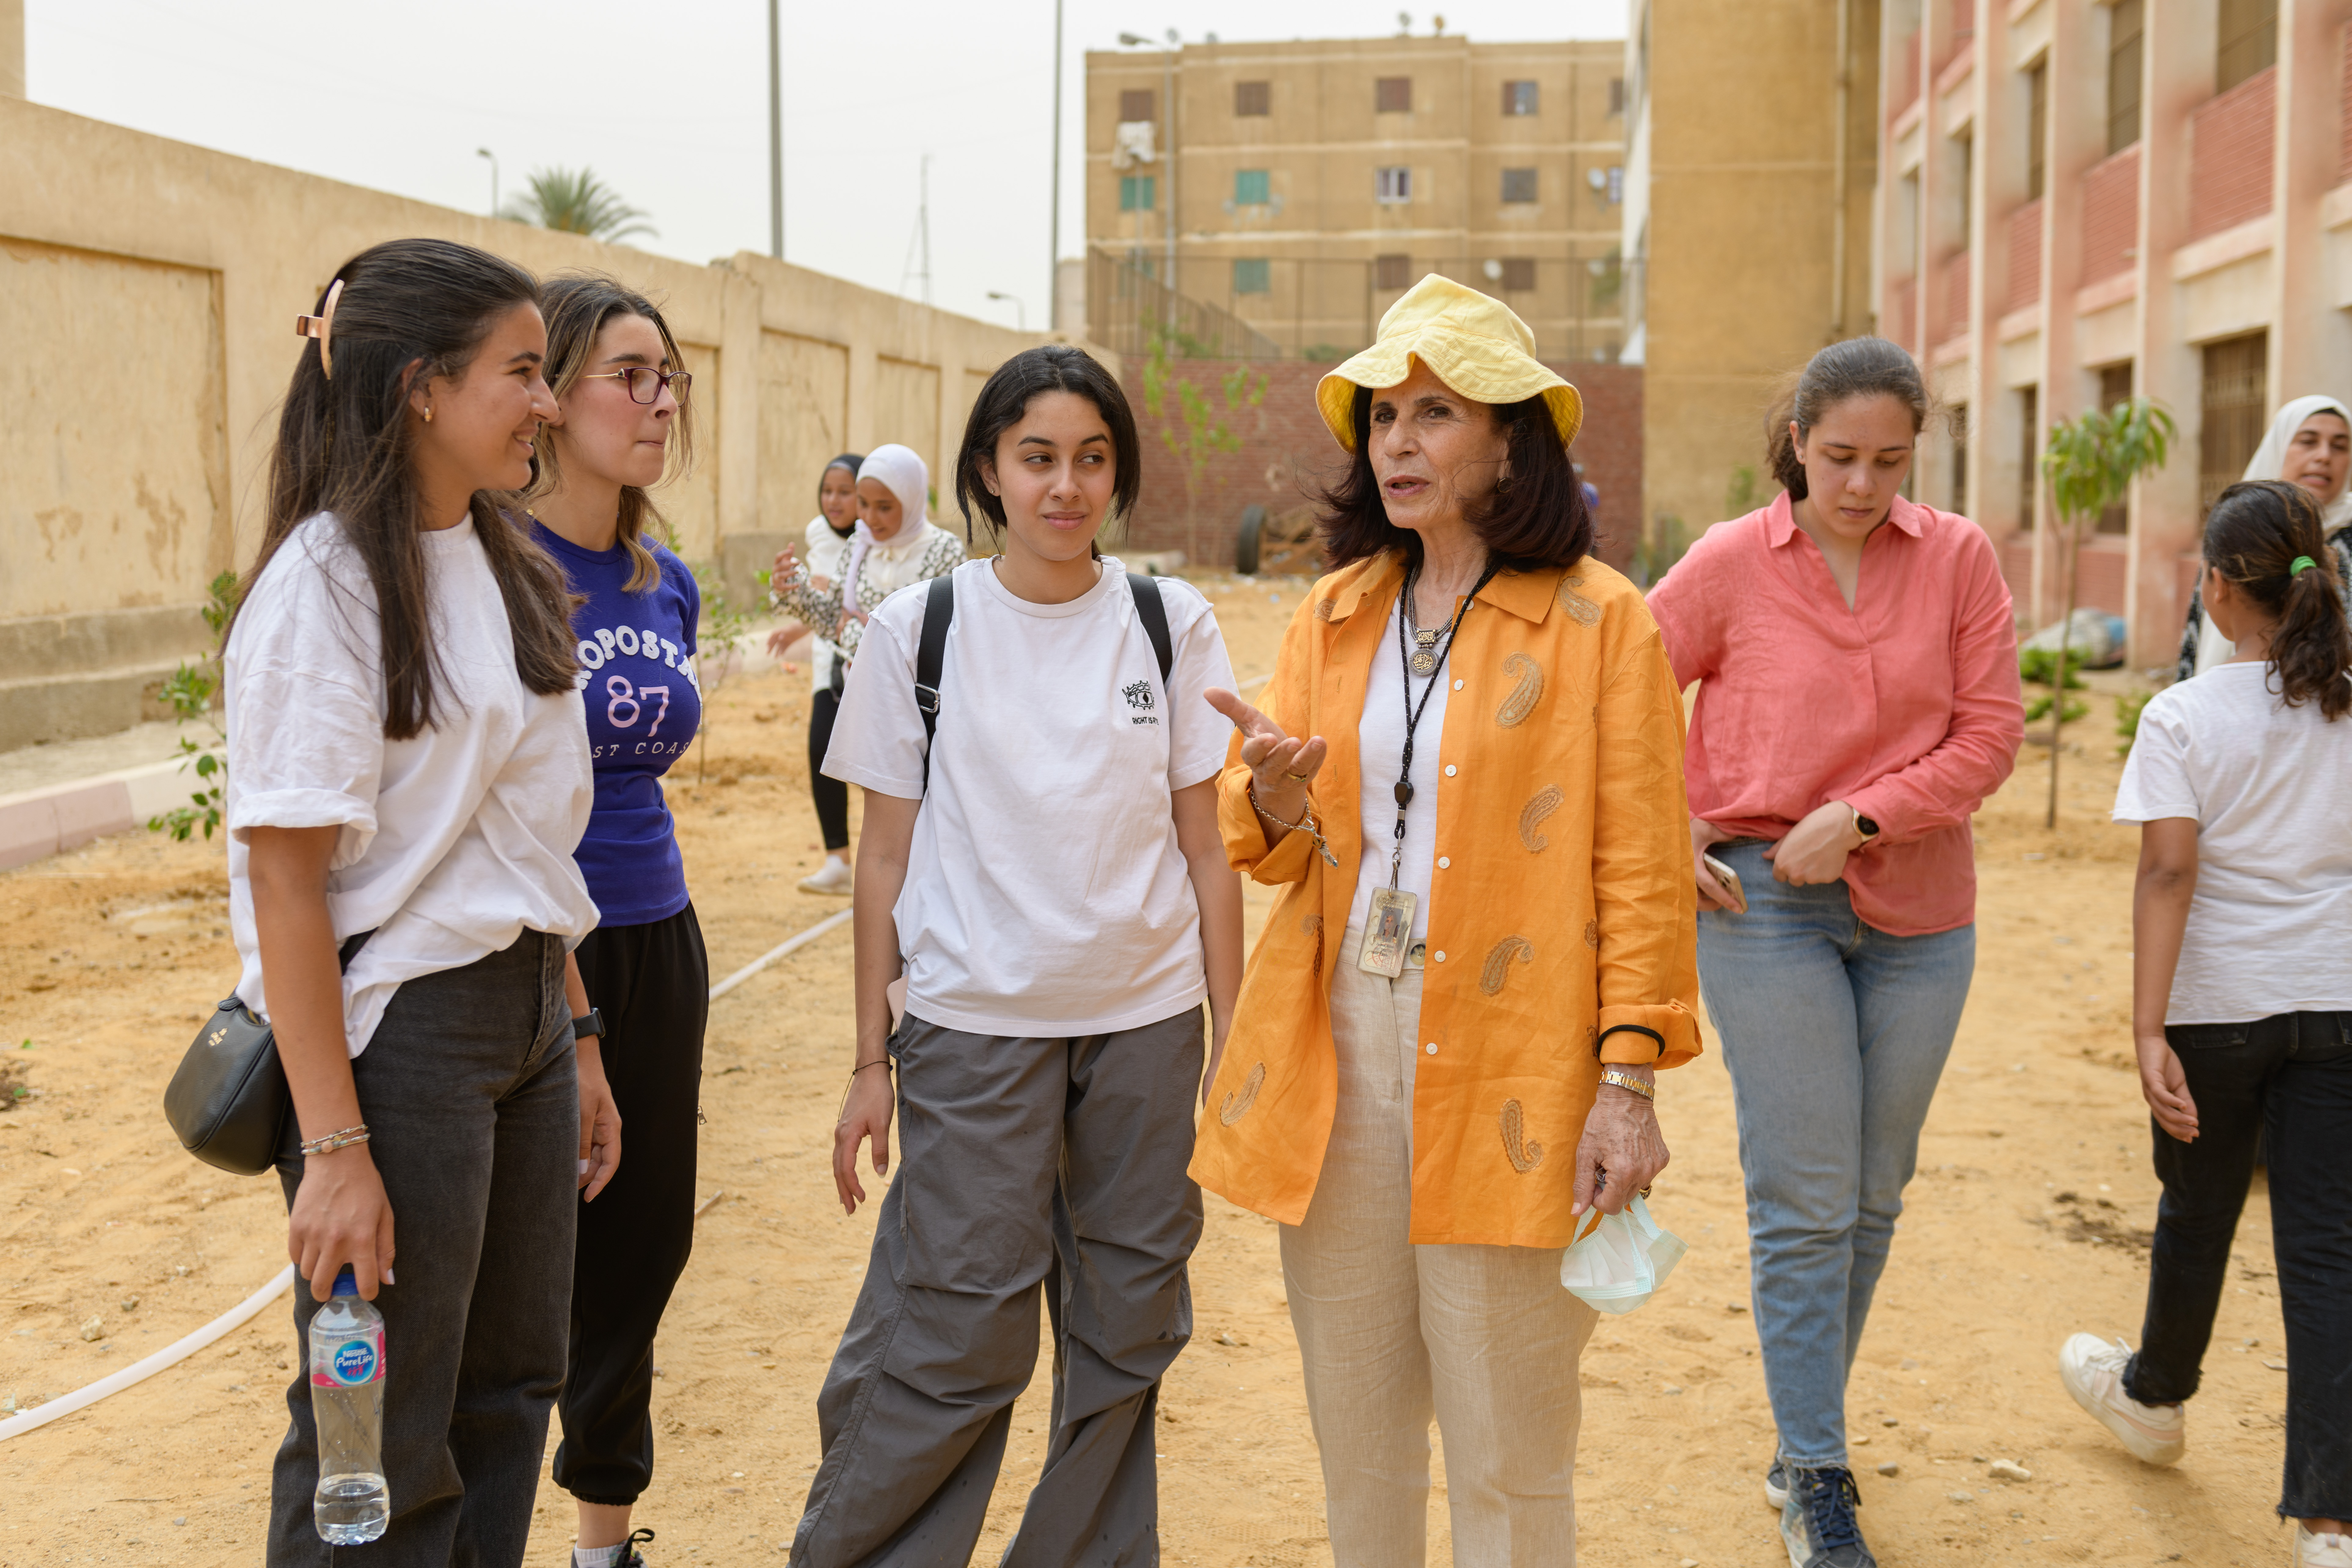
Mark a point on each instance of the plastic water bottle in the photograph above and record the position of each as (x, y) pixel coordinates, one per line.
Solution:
(353, 1504)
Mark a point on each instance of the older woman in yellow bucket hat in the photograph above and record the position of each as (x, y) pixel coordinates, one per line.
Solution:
(1465, 782)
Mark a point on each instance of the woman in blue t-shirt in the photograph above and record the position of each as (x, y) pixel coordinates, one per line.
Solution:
(623, 427)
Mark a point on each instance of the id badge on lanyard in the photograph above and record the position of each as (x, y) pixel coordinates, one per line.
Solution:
(1388, 931)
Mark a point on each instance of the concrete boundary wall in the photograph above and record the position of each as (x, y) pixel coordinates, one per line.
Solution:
(148, 292)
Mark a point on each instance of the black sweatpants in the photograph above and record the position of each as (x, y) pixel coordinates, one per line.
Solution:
(652, 983)
(831, 794)
(2288, 1077)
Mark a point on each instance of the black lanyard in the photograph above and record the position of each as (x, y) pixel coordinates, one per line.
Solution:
(1411, 713)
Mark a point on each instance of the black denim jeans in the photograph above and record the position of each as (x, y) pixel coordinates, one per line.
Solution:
(470, 1097)
(2289, 1079)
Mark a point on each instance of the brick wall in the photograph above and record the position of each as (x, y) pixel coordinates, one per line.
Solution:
(2024, 255)
(1286, 453)
(2230, 156)
(2110, 214)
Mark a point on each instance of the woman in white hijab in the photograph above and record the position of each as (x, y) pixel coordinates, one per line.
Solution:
(2308, 445)
(893, 545)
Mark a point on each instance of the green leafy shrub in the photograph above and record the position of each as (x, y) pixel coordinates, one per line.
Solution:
(2038, 665)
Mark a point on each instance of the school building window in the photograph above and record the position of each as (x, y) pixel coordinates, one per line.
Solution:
(1138, 193)
(2115, 387)
(2248, 39)
(1518, 97)
(1392, 272)
(2126, 27)
(1253, 98)
(1392, 95)
(1616, 95)
(1253, 274)
(1960, 458)
(1135, 104)
(1252, 187)
(2037, 129)
(1518, 184)
(1392, 185)
(2029, 456)
(1519, 274)
(2231, 423)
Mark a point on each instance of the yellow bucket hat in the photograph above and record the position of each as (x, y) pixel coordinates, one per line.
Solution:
(1475, 344)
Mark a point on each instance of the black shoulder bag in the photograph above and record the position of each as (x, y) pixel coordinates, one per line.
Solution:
(229, 1101)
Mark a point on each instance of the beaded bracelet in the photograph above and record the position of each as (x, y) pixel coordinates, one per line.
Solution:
(334, 1140)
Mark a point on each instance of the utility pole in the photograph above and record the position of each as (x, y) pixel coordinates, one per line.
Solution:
(923, 222)
(493, 157)
(1053, 246)
(775, 136)
(1168, 107)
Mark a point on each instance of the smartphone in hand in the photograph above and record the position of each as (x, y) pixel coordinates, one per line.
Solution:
(1731, 880)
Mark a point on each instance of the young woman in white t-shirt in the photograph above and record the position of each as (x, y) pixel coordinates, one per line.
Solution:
(2242, 999)
(1046, 872)
(408, 775)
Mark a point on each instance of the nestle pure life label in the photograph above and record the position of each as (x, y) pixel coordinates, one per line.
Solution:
(349, 1363)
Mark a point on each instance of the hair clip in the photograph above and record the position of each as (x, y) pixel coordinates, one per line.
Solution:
(321, 325)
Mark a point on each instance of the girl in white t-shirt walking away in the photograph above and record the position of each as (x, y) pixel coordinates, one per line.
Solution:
(2241, 1000)
(1048, 871)
(408, 778)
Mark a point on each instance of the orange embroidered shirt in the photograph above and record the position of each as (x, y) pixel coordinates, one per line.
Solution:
(1562, 897)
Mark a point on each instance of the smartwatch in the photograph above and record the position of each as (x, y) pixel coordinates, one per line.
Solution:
(1866, 826)
(592, 1024)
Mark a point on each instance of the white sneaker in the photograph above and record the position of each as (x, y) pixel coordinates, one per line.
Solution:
(2093, 1371)
(2328, 1550)
(835, 876)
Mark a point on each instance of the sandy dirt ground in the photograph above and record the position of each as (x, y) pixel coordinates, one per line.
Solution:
(2027, 1221)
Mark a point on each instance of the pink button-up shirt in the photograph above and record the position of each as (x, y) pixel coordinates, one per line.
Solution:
(1905, 706)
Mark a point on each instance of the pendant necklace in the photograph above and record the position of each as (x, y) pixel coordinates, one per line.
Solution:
(1423, 659)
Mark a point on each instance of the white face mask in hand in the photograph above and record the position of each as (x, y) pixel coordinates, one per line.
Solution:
(1621, 1262)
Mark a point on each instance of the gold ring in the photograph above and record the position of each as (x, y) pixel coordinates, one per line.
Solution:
(1302, 778)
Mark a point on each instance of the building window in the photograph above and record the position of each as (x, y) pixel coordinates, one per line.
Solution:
(1964, 151)
(1519, 274)
(1518, 97)
(1616, 95)
(1138, 193)
(2115, 387)
(2232, 406)
(1392, 271)
(2125, 28)
(2248, 41)
(1392, 95)
(2037, 127)
(1392, 185)
(2028, 458)
(1253, 98)
(1960, 458)
(1135, 104)
(1253, 274)
(1253, 188)
(1518, 184)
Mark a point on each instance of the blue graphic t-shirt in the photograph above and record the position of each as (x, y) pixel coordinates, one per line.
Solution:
(636, 669)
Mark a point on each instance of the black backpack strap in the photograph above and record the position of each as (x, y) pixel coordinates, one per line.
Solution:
(930, 658)
(1152, 611)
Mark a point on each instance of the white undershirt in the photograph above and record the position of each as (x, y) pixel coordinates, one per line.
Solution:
(1379, 742)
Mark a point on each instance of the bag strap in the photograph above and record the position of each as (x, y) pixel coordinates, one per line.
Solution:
(930, 658)
(1152, 611)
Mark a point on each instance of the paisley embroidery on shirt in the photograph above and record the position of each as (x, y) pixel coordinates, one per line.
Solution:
(1525, 1154)
(1592, 935)
(1525, 695)
(1323, 608)
(1314, 923)
(1498, 963)
(1237, 1102)
(1582, 610)
(1545, 801)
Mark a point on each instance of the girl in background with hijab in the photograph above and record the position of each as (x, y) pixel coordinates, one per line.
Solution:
(827, 539)
(893, 544)
(2309, 445)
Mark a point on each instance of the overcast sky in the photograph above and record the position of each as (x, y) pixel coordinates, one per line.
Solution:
(668, 103)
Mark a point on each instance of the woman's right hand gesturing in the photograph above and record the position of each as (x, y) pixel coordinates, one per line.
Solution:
(1281, 766)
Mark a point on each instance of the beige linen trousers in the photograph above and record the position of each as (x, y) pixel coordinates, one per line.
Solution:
(1484, 1339)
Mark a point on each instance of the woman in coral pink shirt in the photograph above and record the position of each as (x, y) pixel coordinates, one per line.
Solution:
(1858, 699)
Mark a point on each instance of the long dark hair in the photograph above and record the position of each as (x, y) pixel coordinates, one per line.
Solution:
(576, 308)
(410, 309)
(1857, 367)
(1534, 517)
(2254, 535)
(1033, 373)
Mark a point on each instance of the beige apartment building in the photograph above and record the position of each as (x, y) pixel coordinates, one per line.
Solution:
(2083, 200)
(1311, 182)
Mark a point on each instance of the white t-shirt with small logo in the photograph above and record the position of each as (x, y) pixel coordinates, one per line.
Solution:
(1045, 893)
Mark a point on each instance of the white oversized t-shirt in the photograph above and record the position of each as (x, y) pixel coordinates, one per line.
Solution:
(1046, 894)
(2270, 788)
(455, 841)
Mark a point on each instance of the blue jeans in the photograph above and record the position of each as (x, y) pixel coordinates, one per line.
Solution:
(1834, 1034)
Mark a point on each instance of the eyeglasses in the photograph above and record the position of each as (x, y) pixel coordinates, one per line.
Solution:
(644, 383)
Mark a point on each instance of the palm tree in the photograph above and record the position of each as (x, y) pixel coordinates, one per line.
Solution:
(577, 202)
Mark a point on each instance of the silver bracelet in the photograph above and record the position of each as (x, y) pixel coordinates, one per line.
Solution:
(1627, 1081)
(334, 1140)
(1306, 824)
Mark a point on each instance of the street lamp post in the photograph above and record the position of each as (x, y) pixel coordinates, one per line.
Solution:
(775, 137)
(493, 157)
(1053, 246)
(1020, 312)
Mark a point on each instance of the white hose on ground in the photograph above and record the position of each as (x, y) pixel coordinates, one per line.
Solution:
(179, 1350)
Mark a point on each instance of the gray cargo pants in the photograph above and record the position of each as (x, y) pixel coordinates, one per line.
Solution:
(1022, 1162)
